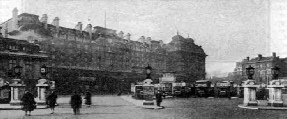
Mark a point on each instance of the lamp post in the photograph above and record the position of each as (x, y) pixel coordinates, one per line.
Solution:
(42, 86)
(17, 87)
(275, 89)
(148, 88)
(44, 70)
(148, 72)
(275, 72)
(250, 72)
(250, 88)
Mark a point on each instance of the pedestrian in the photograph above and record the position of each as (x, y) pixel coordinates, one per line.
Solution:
(51, 101)
(158, 97)
(229, 92)
(88, 97)
(76, 102)
(28, 103)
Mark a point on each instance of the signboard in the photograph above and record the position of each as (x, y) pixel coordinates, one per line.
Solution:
(167, 77)
(4, 93)
(148, 92)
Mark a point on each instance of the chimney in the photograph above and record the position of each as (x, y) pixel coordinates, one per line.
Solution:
(128, 36)
(142, 39)
(274, 54)
(56, 22)
(44, 20)
(15, 19)
(79, 26)
(259, 56)
(247, 58)
(89, 30)
(121, 34)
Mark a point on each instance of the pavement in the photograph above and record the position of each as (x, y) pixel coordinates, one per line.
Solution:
(63, 101)
(139, 103)
(262, 105)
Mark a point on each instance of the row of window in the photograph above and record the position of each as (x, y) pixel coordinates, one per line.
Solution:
(10, 64)
(265, 65)
(19, 48)
(119, 45)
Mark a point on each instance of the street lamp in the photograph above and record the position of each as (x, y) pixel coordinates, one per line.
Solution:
(18, 71)
(148, 72)
(44, 70)
(275, 72)
(250, 72)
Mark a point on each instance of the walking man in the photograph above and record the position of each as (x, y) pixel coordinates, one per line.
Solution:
(28, 103)
(158, 97)
(76, 102)
(51, 101)
(88, 97)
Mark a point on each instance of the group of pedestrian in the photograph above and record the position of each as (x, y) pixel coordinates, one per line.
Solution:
(29, 104)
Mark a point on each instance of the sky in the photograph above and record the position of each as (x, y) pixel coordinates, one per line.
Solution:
(227, 30)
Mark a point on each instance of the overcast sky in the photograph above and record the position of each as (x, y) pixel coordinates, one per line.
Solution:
(228, 30)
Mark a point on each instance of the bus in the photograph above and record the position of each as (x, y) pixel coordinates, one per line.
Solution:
(137, 91)
(226, 87)
(203, 88)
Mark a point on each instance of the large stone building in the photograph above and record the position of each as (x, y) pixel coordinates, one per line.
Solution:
(14, 53)
(102, 57)
(262, 67)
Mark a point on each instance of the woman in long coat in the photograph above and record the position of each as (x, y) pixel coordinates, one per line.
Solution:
(158, 97)
(88, 98)
(76, 103)
(51, 101)
(28, 103)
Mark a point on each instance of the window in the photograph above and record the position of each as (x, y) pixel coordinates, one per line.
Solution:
(12, 64)
(28, 65)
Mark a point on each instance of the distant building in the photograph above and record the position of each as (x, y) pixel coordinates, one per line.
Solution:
(104, 57)
(262, 67)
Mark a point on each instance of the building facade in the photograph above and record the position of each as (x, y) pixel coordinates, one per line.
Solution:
(105, 54)
(262, 67)
(27, 55)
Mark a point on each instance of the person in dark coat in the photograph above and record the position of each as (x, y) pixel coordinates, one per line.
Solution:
(88, 97)
(229, 92)
(28, 103)
(51, 101)
(76, 102)
(158, 97)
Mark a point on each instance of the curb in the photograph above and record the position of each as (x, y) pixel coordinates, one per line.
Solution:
(19, 108)
(247, 107)
(262, 107)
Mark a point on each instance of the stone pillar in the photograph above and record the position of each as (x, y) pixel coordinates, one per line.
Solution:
(250, 93)
(148, 92)
(41, 89)
(17, 91)
(275, 93)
